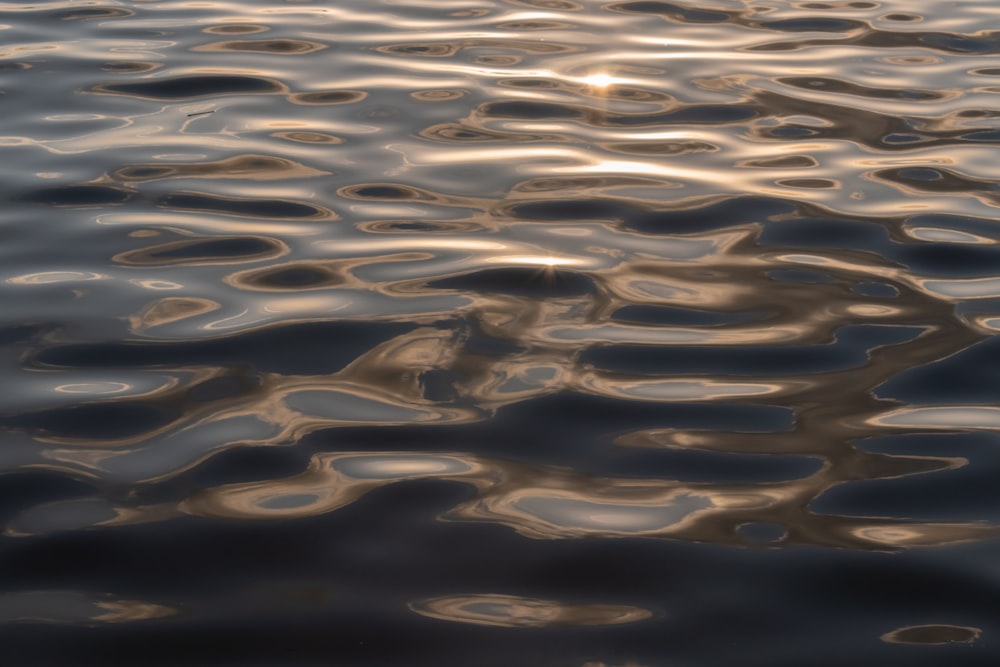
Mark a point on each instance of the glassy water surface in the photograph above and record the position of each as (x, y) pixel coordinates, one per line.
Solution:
(491, 332)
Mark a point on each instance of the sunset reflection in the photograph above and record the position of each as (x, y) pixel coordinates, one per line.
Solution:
(527, 332)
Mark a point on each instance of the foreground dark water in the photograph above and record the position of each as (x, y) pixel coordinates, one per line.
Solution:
(482, 332)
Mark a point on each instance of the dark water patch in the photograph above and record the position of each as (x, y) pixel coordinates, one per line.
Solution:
(534, 282)
(328, 97)
(968, 377)
(267, 46)
(984, 43)
(713, 215)
(254, 208)
(127, 67)
(801, 276)
(88, 13)
(812, 24)
(828, 85)
(427, 50)
(299, 349)
(309, 137)
(850, 350)
(535, 110)
(293, 276)
(982, 136)
(203, 251)
(693, 114)
(673, 316)
(947, 259)
(235, 29)
(419, 226)
(77, 196)
(249, 464)
(533, 83)
(761, 532)
(662, 147)
(535, 25)
(808, 183)
(22, 490)
(877, 290)
(21, 333)
(447, 49)
(99, 420)
(841, 121)
(582, 429)
(784, 162)
(934, 179)
(944, 495)
(438, 95)
(389, 191)
(712, 467)
(805, 232)
(865, 36)
(460, 133)
(570, 209)
(223, 387)
(191, 87)
(250, 166)
(673, 12)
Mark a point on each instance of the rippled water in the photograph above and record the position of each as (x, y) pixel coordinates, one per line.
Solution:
(492, 332)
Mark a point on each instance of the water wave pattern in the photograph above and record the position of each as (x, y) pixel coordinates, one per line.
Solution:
(465, 304)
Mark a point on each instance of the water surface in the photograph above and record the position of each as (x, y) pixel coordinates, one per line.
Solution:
(494, 332)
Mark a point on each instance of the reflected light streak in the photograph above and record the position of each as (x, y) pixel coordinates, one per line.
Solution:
(529, 260)
(508, 611)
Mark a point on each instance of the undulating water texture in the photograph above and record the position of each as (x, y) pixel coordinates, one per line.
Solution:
(554, 333)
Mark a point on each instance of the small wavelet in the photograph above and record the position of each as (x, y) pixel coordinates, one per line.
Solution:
(508, 611)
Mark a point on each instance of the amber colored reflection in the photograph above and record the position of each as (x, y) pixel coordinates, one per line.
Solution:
(508, 611)
(171, 309)
(330, 97)
(268, 46)
(76, 608)
(437, 95)
(330, 483)
(243, 167)
(304, 137)
(235, 29)
(516, 344)
(932, 635)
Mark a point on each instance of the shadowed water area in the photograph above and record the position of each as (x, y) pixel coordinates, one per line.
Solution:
(499, 332)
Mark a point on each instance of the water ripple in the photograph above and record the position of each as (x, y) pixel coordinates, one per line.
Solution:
(503, 295)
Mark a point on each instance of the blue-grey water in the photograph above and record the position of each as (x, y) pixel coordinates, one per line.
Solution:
(499, 332)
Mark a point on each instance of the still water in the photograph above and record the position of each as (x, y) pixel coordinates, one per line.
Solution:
(491, 332)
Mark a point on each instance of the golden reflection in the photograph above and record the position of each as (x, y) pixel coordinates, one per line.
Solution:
(76, 608)
(932, 635)
(508, 611)
(171, 309)
(243, 167)
(538, 502)
(50, 277)
(941, 417)
(682, 389)
(305, 137)
(546, 262)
